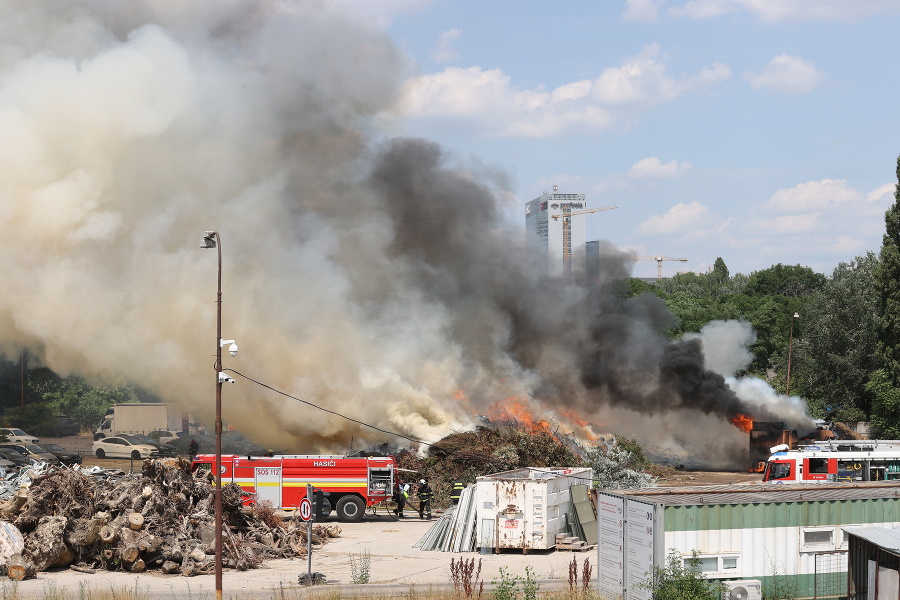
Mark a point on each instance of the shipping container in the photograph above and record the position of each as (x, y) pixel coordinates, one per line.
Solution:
(764, 533)
(525, 508)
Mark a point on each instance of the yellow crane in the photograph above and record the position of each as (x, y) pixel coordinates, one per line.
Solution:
(659, 261)
(567, 214)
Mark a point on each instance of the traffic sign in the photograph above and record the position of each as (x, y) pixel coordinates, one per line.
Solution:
(305, 509)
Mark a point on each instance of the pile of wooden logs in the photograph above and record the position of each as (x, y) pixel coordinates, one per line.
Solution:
(161, 519)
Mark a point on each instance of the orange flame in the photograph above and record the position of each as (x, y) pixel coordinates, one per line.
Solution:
(743, 422)
(513, 408)
(758, 469)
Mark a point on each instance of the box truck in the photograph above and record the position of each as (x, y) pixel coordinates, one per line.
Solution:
(139, 417)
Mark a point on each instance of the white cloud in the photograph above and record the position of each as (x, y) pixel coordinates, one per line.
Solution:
(882, 196)
(572, 91)
(788, 224)
(642, 81)
(789, 74)
(486, 101)
(652, 168)
(445, 52)
(779, 10)
(825, 194)
(680, 219)
(645, 11)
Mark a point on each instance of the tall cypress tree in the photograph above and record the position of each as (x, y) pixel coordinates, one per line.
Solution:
(887, 280)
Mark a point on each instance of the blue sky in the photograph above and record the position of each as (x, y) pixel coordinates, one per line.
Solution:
(761, 131)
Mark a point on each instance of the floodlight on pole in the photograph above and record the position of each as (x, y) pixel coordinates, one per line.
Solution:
(787, 391)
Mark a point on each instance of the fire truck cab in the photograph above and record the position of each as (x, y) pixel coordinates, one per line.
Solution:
(834, 460)
(349, 484)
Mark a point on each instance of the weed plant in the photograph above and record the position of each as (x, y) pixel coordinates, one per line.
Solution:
(360, 568)
(466, 579)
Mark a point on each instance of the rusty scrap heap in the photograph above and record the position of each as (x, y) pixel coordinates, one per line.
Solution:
(162, 518)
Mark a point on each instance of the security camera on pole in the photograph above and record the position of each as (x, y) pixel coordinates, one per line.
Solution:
(211, 240)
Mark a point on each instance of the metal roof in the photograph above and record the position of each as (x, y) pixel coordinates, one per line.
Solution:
(539, 473)
(761, 493)
(884, 538)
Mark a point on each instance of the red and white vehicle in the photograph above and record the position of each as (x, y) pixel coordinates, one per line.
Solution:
(350, 483)
(834, 460)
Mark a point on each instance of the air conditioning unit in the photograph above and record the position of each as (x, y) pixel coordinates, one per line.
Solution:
(744, 589)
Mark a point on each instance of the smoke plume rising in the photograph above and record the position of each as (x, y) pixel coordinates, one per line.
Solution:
(369, 275)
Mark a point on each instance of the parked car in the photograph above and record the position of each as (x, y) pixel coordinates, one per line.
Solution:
(66, 457)
(66, 426)
(236, 443)
(20, 460)
(162, 449)
(32, 451)
(6, 466)
(121, 447)
(15, 435)
(163, 436)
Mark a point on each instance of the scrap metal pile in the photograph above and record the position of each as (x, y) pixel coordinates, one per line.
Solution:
(163, 518)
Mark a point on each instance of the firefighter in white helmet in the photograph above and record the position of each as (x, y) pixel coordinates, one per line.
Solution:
(425, 496)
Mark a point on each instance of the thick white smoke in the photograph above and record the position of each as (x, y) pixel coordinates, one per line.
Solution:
(363, 274)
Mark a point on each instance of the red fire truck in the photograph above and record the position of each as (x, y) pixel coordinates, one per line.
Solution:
(834, 460)
(350, 484)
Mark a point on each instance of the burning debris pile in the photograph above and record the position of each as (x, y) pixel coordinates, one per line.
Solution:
(161, 519)
(487, 449)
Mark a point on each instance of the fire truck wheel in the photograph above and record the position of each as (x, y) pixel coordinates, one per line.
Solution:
(350, 509)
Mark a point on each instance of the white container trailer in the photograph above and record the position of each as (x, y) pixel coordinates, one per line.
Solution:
(525, 508)
(748, 536)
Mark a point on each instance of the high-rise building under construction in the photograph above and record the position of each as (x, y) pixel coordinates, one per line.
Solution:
(544, 233)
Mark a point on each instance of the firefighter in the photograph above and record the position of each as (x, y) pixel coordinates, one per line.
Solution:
(401, 495)
(193, 447)
(458, 486)
(425, 495)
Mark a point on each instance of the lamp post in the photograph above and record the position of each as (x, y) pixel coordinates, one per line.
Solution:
(211, 240)
(787, 391)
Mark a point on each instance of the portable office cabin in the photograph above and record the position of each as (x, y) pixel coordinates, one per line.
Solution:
(525, 508)
(740, 532)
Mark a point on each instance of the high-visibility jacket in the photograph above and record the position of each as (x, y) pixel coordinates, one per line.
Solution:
(425, 492)
(456, 492)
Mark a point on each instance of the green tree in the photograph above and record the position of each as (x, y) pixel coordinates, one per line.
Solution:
(836, 353)
(84, 401)
(885, 404)
(887, 280)
(785, 280)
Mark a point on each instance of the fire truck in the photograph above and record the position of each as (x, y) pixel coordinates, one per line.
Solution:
(834, 460)
(350, 484)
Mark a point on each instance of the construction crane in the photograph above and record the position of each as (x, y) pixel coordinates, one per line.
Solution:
(567, 214)
(659, 261)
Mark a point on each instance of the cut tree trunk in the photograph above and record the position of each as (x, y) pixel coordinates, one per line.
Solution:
(19, 569)
(135, 521)
(45, 546)
(170, 567)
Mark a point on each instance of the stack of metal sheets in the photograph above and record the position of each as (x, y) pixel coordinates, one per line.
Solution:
(455, 530)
